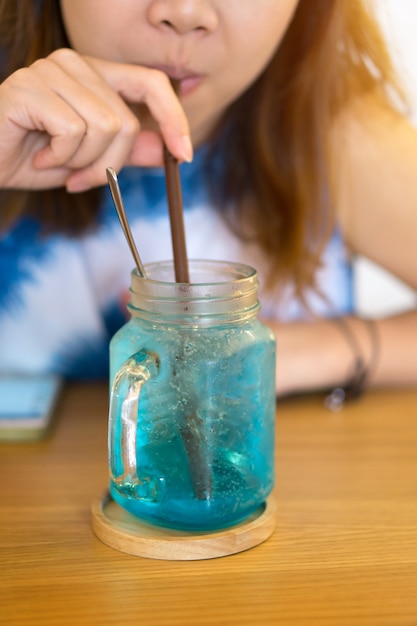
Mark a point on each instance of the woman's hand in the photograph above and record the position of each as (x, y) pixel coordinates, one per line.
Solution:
(66, 118)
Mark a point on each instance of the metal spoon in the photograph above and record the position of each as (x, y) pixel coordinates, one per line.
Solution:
(118, 202)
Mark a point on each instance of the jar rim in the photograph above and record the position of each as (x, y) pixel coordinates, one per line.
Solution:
(232, 271)
(229, 288)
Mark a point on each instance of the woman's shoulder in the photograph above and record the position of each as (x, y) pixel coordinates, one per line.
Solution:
(373, 151)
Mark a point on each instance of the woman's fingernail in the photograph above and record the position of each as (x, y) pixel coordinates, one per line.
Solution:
(187, 149)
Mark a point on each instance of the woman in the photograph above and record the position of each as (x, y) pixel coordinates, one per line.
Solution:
(301, 159)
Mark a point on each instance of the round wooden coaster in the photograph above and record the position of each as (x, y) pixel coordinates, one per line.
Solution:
(120, 530)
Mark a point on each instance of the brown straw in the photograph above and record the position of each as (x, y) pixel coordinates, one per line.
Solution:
(191, 428)
(173, 185)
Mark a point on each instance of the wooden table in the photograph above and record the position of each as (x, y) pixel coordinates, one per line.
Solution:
(344, 551)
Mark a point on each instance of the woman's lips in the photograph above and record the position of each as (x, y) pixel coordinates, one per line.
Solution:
(187, 80)
(189, 84)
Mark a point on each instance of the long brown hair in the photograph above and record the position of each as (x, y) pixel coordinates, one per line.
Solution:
(277, 184)
(275, 179)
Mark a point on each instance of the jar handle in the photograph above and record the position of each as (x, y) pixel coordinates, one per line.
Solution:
(123, 414)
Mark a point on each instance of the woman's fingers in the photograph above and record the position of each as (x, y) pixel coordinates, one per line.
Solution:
(135, 85)
(152, 87)
(106, 120)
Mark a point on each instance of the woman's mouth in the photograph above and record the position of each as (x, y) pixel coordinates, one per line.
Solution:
(188, 82)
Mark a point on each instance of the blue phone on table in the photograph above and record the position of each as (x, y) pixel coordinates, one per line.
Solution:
(27, 404)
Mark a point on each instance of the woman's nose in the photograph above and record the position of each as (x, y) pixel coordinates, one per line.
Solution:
(183, 16)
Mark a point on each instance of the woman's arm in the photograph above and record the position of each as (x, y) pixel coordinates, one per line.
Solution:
(317, 355)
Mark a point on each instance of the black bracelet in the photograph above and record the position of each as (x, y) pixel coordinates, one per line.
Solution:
(358, 380)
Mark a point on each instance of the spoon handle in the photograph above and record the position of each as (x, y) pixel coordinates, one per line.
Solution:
(117, 199)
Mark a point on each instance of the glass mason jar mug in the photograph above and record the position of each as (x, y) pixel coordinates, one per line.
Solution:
(192, 406)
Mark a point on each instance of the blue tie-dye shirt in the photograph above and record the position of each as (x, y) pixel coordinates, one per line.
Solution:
(61, 297)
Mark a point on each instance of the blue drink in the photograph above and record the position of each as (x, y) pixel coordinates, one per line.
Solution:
(191, 432)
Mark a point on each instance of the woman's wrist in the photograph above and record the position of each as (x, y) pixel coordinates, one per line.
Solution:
(365, 355)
